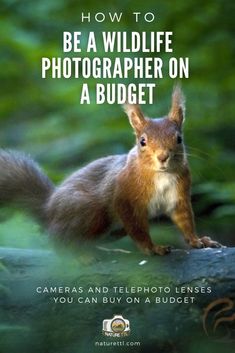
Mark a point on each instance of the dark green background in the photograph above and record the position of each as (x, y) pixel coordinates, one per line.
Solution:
(44, 117)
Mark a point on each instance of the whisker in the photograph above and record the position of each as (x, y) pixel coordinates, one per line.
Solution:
(198, 150)
(190, 155)
(203, 158)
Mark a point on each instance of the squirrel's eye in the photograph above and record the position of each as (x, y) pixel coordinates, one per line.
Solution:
(143, 141)
(179, 139)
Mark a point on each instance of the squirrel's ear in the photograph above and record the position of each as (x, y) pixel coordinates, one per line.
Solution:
(136, 117)
(177, 111)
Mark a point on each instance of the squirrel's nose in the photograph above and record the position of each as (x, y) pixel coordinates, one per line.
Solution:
(163, 157)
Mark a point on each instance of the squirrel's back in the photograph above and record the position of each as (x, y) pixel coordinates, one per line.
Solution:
(82, 204)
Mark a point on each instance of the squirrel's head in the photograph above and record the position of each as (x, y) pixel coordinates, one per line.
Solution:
(160, 141)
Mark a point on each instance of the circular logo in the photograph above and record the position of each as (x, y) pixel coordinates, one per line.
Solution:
(118, 325)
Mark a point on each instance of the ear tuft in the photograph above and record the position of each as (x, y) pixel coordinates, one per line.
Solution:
(177, 111)
(136, 117)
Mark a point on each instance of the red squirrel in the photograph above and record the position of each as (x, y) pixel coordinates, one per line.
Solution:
(121, 191)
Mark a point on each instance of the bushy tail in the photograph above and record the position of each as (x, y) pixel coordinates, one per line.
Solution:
(22, 183)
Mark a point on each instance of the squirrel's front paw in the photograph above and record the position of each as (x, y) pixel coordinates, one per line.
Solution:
(209, 243)
(161, 250)
(157, 250)
(196, 243)
(204, 242)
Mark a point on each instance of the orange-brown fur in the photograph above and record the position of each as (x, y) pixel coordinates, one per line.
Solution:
(119, 191)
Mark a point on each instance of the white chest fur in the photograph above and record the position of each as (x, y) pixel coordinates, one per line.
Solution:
(164, 198)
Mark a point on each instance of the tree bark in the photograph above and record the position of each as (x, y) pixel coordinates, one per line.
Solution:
(32, 321)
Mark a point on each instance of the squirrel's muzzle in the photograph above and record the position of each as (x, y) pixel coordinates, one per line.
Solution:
(163, 157)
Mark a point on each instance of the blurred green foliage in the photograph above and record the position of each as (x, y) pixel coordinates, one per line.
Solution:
(44, 117)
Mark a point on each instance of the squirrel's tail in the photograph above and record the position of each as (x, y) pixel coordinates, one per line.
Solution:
(22, 183)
